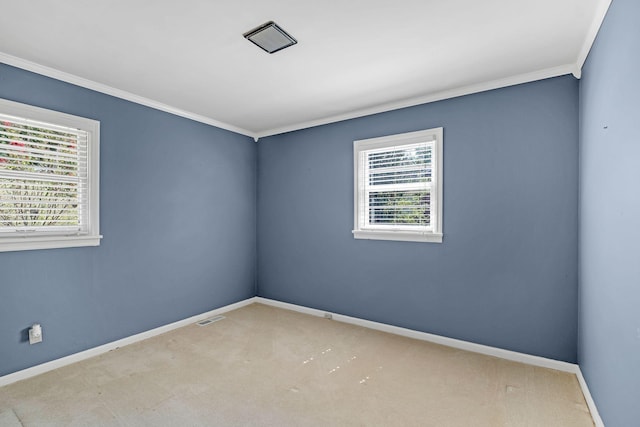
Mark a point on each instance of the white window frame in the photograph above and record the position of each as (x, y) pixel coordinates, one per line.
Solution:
(53, 239)
(360, 147)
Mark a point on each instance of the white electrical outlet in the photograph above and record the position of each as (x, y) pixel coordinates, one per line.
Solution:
(35, 334)
(328, 316)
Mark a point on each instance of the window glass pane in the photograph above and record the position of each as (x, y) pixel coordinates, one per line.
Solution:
(398, 180)
(42, 176)
(38, 204)
(407, 208)
(398, 187)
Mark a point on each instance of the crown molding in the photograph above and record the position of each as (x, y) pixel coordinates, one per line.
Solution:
(598, 19)
(425, 99)
(118, 93)
(574, 69)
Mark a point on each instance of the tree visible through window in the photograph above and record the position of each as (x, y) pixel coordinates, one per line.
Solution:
(48, 178)
(395, 185)
(40, 177)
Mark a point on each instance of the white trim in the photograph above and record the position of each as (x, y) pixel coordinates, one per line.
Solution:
(28, 243)
(360, 205)
(399, 236)
(96, 351)
(437, 96)
(90, 235)
(423, 336)
(514, 356)
(597, 420)
(598, 19)
(118, 93)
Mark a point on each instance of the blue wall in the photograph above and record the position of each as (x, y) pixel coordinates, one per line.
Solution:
(506, 273)
(609, 339)
(178, 219)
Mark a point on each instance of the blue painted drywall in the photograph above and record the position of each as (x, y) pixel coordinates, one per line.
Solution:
(609, 338)
(506, 273)
(178, 219)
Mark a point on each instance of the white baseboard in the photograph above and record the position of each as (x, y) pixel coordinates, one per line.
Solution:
(590, 402)
(437, 339)
(451, 342)
(96, 351)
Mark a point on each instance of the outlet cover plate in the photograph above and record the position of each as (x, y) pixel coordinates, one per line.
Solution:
(34, 339)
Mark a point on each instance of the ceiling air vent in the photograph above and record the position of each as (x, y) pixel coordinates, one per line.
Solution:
(270, 37)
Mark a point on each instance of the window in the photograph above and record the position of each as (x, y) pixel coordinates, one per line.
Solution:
(398, 187)
(48, 179)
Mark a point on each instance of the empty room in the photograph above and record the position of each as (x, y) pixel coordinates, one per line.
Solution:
(285, 213)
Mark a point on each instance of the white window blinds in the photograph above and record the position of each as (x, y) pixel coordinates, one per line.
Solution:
(398, 187)
(43, 177)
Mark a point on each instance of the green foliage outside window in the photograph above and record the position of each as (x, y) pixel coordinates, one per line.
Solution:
(38, 171)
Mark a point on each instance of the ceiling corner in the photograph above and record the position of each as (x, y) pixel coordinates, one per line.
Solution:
(592, 33)
(118, 93)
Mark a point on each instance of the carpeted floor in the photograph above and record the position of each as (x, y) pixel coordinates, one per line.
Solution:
(264, 366)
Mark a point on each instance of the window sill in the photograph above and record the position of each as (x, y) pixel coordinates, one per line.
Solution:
(28, 243)
(404, 236)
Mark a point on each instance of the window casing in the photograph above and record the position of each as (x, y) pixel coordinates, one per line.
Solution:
(49, 179)
(398, 187)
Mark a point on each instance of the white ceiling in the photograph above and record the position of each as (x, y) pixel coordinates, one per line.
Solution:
(353, 57)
